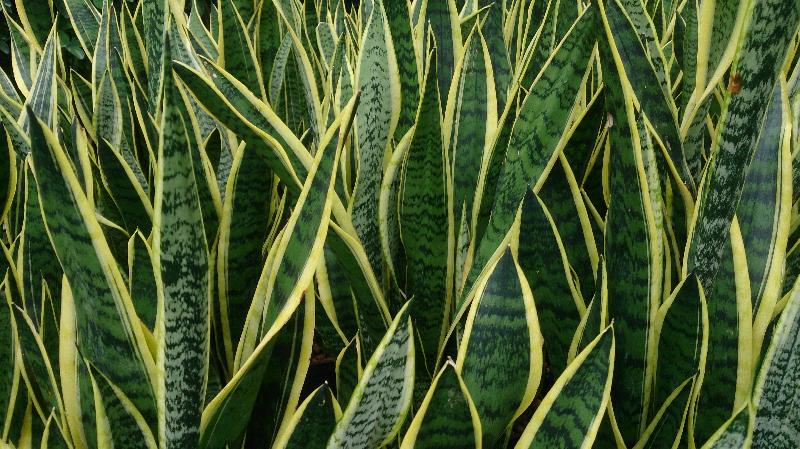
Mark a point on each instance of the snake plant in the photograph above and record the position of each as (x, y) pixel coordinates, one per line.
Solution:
(442, 224)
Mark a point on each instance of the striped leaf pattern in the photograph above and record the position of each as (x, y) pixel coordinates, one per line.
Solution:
(398, 224)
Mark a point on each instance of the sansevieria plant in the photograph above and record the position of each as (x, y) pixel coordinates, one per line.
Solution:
(432, 224)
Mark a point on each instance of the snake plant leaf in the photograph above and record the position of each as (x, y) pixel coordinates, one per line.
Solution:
(141, 279)
(776, 388)
(7, 355)
(348, 370)
(474, 114)
(155, 15)
(42, 98)
(181, 266)
(557, 302)
(280, 391)
(269, 39)
(442, 17)
(23, 55)
(243, 230)
(37, 18)
(571, 412)
(229, 102)
(237, 54)
(381, 400)
(397, 14)
(729, 357)
(643, 79)
(736, 432)
(756, 64)
(630, 251)
(133, 43)
(129, 430)
(498, 51)
(447, 417)
(594, 320)
(37, 366)
(683, 338)
(85, 20)
(375, 123)
(532, 147)
(424, 225)
(261, 393)
(295, 257)
(104, 311)
(561, 193)
(39, 265)
(666, 427)
(316, 416)
(500, 356)
(763, 213)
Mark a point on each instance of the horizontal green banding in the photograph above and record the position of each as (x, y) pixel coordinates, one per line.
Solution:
(318, 418)
(680, 340)
(424, 224)
(447, 423)
(715, 401)
(242, 235)
(498, 354)
(180, 246)
(39, 264)
(237, 52)
(85, 21)
(541, 261)
(383, 395)
(760, 57)
(400, 25)
(125, 430)
(759, 207)
(374, 126)
(666, 429)
(226, 103)
(142, 280)
(104, 329)
(645, 83)
(535, 134)
(579, 405)
(627, 253)
(777, 392)
(469, 125)
(734, 433)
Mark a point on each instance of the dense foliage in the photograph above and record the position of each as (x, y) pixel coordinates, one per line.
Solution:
(408, 224)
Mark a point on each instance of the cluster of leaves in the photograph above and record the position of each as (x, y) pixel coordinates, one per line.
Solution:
(429, 223)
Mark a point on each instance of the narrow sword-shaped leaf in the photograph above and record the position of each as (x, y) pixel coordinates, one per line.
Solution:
(735, 433)
(777, 393)
(500, 356)
(447, 417)
(756, 65)
(544, 262)
(632, 256)
(400, 24)
(301, 246)
(536, 133)
(683, 339)
(315, 417)
(237, 54)
(424, 225)
(666, 428)
(155, 15)
(375, 122)
(571, 412)
(379, 404)
(181, 267)
(107, 334)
